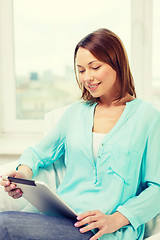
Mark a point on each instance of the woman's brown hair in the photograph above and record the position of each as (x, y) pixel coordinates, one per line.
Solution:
(107, 47)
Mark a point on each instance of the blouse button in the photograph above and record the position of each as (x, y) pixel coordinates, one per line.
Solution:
(99, 156)
(102, 144)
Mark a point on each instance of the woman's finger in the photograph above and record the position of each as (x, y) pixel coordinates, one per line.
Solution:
(89, 227)
(17, 196)
(15, 192)
(87, 214)
(86, 220)
(10, 188)
(5, 183)
(11, 173)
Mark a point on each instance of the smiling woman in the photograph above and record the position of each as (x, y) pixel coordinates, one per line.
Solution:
(105, 58)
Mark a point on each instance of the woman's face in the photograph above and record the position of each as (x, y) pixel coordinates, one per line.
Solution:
(97, 77)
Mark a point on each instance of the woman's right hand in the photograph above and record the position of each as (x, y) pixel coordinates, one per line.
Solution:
(11, 188)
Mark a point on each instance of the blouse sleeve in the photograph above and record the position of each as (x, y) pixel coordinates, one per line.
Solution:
(140, 209)
(49, 149)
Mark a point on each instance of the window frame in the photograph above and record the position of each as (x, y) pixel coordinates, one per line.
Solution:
(142, 23)
(9, 123)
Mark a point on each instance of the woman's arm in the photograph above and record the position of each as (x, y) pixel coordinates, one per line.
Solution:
(41, 155)
(49, 149)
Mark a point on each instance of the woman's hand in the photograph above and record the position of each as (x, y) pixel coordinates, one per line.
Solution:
(23, 172)
(105, 223)
(11, 187)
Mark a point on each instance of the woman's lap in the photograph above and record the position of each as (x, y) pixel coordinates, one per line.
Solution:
(32, 226)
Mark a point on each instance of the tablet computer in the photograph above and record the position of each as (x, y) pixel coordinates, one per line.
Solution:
(43, 198)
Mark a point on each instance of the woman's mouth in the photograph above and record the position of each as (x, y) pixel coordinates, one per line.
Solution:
(93, 87)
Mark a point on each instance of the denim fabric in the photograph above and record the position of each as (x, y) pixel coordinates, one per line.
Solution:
(33, 226)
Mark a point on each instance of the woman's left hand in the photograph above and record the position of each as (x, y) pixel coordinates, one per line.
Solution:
(97, 219)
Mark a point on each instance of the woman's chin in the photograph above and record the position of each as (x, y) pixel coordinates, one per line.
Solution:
(95, 95)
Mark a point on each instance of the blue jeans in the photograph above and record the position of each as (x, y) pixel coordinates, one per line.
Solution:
(33, 226)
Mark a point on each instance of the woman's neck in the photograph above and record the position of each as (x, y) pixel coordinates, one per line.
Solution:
(113, 103)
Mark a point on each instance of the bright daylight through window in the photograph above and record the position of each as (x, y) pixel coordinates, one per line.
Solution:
(156, 51)
(45, 35)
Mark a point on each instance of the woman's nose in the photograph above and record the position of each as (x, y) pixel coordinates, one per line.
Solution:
(88, 77)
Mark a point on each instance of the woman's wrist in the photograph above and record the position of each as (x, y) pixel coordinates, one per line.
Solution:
(26, 171)
(120, 220)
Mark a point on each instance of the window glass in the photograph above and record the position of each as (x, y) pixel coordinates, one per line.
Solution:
(45, 35)
(156, 51)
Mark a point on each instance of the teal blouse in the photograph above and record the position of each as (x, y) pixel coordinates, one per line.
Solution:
(126, 174)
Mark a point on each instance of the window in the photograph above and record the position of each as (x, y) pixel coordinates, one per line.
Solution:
(45, 35)
(36, 51)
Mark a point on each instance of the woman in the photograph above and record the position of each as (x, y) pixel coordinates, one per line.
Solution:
(111, 146)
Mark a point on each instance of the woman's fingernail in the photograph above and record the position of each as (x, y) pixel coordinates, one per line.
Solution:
(76, 224)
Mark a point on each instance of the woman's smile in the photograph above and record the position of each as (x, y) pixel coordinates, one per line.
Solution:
(93, 87)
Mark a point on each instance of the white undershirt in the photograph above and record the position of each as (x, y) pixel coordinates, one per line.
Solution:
(97, 140)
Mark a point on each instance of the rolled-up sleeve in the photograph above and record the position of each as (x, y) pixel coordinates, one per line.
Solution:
(49, 149)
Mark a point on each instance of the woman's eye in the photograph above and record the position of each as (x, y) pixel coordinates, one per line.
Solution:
(82, 71)
(95, 68)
